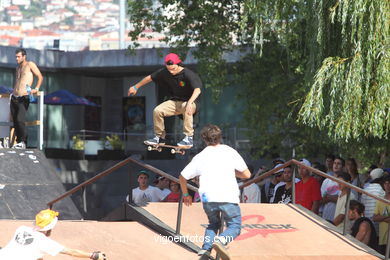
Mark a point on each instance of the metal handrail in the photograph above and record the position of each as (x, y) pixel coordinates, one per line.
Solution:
(110, 170)
(318, 172)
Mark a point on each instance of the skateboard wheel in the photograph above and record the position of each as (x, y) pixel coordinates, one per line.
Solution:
(150, 148)
(173, 151)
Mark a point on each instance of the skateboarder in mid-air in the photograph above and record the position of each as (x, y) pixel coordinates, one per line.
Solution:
(184, 87)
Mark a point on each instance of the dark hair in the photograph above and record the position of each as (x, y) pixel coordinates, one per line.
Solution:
(331, 156)
(211, 134)
(22, 51)
(353, 161)
(345, 176)
(341, 159)
(320, 167)
(373, 166)
(354, 204)
(170, 62)
(385, 178)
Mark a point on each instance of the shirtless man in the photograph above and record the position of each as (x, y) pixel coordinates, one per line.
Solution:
(25, 72)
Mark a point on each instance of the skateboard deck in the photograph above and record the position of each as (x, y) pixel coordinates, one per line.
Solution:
(174, 148)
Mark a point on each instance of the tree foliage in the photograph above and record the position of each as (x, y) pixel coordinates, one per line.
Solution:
(323, 63)
(350, 92)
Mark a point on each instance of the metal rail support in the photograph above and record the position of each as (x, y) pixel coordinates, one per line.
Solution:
(179, 213)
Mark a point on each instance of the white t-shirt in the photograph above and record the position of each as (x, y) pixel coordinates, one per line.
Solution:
(166, 192)
(150, 194)
(251, 194)
(216, 166)
(28, 244)
(329, 187)
(340, 209)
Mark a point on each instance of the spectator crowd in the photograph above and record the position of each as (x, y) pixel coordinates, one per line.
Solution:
(367, 219)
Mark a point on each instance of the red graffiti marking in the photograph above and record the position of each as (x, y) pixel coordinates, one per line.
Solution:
(253, 229)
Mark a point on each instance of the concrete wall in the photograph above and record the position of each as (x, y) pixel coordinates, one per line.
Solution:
(52, 59)
(109, 74)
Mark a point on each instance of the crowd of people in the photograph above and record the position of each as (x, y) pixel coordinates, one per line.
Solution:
(367, 218)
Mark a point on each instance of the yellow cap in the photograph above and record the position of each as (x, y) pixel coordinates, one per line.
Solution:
(45, 217)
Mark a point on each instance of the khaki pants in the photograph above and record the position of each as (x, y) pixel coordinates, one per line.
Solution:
(172, 108)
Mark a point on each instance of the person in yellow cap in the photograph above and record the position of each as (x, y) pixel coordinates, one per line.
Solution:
(32, 243)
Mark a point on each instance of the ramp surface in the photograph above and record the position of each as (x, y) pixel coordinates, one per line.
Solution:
(27, 183)
(119, 240)
(269, 231)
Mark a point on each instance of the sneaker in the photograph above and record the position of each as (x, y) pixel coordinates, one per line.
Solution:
(20, 145)
(188, 141)
(155, 141)
(219, 246)
(204, 254)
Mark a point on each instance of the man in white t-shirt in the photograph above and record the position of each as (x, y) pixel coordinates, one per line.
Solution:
(163, 184)
(330, 190)
(217, 166)
(145, 193)
(32, 243)
(339, 214)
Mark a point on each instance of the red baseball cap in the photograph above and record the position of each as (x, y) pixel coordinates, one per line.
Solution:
(173, 57)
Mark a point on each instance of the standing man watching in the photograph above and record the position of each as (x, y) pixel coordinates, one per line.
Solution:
(363, 229)
(308, 192)
(32, 243)
(24, 78)
(145, 193)
(184, 88)
(283, 193)
(218, 189)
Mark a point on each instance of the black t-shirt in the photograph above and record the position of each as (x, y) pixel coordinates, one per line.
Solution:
(373, 243)
(283, 195)
(271, 190)
(180, 86)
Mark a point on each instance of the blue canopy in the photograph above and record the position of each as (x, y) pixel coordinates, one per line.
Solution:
(65, 97)
(5, 90)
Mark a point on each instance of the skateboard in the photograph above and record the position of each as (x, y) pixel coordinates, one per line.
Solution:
(174, 148)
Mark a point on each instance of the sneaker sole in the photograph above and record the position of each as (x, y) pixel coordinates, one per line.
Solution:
(221, 250)
(148, 143)
(205, 257)
(185, 146)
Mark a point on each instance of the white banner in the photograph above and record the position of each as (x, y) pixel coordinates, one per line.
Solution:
(4, 115)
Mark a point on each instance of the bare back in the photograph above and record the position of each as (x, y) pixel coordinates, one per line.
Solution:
(24, 76)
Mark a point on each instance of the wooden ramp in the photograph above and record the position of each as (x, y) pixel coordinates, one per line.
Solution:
(119, 240)
(268, 232)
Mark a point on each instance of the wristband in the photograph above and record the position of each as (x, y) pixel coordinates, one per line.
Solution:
(95, 255)
(135, 88)
(186, 194)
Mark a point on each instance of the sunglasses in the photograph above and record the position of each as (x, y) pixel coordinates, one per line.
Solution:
(169, 62)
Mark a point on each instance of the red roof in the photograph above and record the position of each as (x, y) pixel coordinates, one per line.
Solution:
(12, 7)
(37, 32)
(10, 27)
(14, 41)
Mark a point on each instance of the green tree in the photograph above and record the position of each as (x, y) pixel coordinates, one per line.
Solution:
(323, 63)
(350, 92)
(34, 10)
